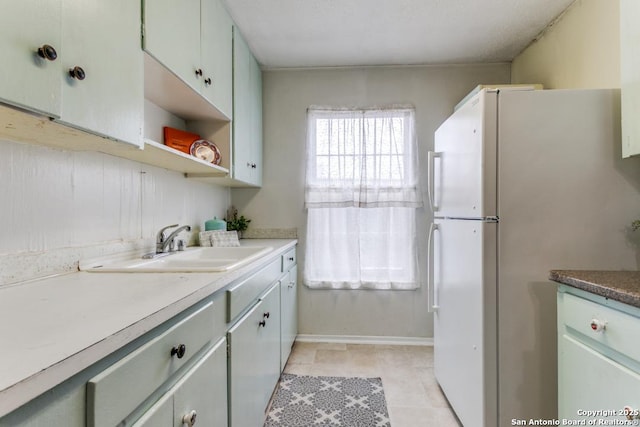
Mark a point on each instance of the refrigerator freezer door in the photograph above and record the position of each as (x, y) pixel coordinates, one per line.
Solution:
(464, 276)
(463, 166)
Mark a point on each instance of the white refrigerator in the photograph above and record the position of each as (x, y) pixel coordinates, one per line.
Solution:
(520, 182)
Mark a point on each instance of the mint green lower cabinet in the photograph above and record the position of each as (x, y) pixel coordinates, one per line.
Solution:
(160, 415)
(589, 380)
(254, 360)
(62, 406)
(114, 393)
(201, 393)
(289, 313)
(598, 357)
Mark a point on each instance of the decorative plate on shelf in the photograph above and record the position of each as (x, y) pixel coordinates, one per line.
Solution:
(206, 150)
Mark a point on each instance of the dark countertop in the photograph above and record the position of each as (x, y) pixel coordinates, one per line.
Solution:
(622, 286)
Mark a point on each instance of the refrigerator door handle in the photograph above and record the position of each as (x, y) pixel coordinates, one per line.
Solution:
(433, 304)
(431, 159)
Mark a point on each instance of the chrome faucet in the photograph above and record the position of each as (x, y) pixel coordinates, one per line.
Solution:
(163, 243)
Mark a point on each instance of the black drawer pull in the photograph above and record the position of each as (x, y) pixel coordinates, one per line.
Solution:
(179, 351)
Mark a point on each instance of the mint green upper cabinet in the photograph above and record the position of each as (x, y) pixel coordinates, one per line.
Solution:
(630, 76)
(101, 38)
(216, 50)
(26, 79)
(192, 38)
(247, 114)
(172, 36)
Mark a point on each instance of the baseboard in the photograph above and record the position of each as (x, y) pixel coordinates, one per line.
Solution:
(356, 339)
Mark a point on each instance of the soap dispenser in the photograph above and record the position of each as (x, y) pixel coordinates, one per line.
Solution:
(215, 224)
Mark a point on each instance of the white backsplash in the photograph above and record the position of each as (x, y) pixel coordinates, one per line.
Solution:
(60, 206)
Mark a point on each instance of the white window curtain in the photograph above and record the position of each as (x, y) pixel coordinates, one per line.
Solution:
(361, 196)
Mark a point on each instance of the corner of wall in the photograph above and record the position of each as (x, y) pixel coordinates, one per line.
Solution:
(581, 49)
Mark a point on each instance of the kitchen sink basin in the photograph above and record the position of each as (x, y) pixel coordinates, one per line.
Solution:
(199, 259)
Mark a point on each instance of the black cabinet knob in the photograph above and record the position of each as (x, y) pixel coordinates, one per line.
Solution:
(198, 71)
(291, 258)
(77, 73)
(253, 166)
(207, 81)
(179, 351)
(262, 323)
(47, 52)
(265, 315)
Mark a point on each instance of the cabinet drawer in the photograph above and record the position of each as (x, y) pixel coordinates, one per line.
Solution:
(620, 332)
(288, 260)
(587, 380)
(240, 296)
(118, 390)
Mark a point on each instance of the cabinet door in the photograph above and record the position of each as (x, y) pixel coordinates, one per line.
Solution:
(160, 414)
(588, 380)
(254, 361)
(204, 390)
(216, 50)
(242, 105)
(102, 38)
(630, 76)
(27, 80)
(256, 122)
(271, 344)
(289, 312)
(172, 36)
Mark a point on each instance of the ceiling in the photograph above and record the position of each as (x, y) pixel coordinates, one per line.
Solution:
(322, 33)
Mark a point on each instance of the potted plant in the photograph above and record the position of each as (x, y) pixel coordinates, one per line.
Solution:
(235, 222)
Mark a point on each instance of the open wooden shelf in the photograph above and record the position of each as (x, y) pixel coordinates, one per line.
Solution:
(160, 155)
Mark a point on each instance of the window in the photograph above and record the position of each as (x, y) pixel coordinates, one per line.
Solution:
(361, 195)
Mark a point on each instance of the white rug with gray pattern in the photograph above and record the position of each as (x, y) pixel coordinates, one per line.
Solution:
(304, 401)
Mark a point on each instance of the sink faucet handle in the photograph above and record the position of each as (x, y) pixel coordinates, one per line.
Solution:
(160, 237)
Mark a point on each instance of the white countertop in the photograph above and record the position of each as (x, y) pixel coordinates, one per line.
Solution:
(53, 328)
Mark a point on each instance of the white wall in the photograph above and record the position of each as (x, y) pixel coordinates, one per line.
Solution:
(286, 95)
(581, 50)
(58, 206)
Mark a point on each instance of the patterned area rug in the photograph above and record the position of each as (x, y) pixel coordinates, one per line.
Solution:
(303, 401)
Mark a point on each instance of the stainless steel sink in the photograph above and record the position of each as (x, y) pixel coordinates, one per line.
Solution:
(199, 259)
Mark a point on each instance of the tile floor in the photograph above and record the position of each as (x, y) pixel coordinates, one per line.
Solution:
(414, 399)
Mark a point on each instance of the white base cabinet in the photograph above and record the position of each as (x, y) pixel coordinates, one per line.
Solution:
(598, 358)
